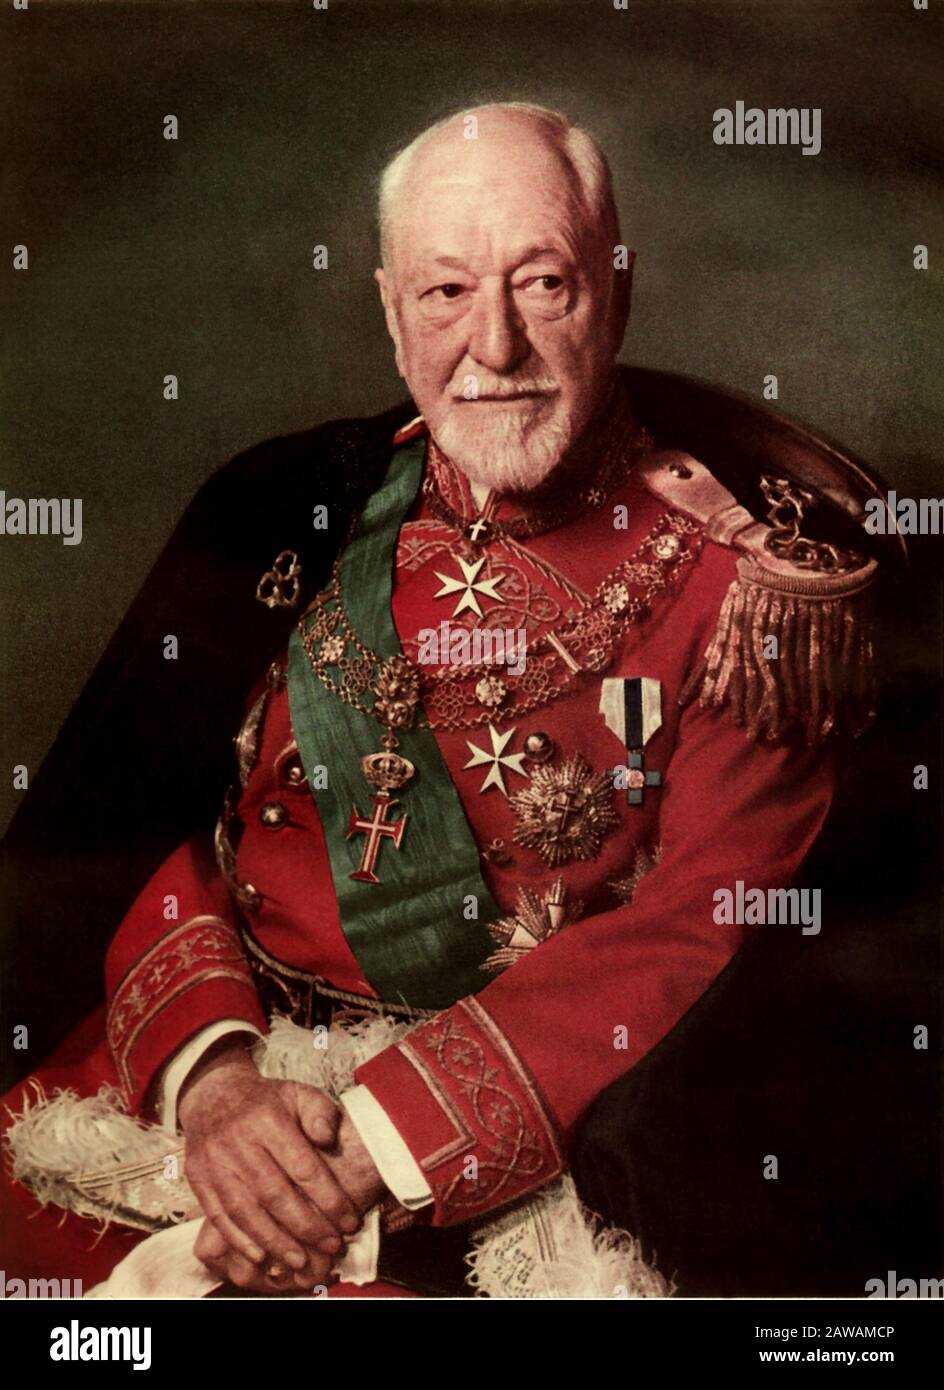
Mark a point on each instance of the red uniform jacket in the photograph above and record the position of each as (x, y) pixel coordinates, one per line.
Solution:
(504, 1076)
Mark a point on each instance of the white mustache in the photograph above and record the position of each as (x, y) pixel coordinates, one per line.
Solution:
(503, 387)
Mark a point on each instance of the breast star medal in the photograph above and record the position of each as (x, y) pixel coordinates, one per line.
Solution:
(566, 812)
(538, 916)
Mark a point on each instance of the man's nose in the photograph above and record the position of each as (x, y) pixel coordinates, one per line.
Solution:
(498, 339)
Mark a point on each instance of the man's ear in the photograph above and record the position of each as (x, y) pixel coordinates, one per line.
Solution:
(390, 314)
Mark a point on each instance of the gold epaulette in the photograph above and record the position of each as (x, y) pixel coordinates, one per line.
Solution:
(792, 650)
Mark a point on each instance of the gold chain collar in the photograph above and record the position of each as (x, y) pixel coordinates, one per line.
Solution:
(467, 696)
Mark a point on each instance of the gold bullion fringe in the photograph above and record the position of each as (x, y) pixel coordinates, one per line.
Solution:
(822, 678)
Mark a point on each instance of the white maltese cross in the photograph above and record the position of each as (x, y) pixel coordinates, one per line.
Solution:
(498, 759)
(469, 586)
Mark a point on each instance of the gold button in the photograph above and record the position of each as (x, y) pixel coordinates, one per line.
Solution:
(292, 773)
(248, 896)
(538, 747)
(273, 815)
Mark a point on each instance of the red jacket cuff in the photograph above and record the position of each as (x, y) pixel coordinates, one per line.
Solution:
(468, 1111)
(193, 975)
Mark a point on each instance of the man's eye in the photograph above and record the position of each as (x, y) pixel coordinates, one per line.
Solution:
(544, 284)
(447, 291)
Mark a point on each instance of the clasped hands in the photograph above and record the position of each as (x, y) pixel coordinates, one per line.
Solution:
(279, 1170)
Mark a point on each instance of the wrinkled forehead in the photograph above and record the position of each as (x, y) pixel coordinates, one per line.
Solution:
(487, 202)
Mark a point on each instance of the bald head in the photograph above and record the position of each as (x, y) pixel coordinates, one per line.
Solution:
(499, 147)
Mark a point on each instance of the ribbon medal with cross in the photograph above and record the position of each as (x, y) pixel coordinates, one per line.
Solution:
(632, 709)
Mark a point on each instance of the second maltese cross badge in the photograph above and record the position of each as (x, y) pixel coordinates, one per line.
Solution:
(632, 709)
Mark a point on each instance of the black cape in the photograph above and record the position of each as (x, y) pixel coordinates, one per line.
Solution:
(146, 753)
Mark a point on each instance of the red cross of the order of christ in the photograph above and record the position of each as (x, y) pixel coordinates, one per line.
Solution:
(561, 809)
(377, 828)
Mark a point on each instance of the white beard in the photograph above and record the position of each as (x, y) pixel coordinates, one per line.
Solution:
(504, 451)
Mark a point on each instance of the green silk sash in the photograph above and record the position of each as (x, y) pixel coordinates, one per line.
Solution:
(408, 932)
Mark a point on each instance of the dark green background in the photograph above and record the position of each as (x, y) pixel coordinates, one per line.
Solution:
(149, 257)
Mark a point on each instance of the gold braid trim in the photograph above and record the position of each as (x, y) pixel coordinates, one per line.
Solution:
(822, 677)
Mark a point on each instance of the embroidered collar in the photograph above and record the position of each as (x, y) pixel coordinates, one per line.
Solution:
(599, 463)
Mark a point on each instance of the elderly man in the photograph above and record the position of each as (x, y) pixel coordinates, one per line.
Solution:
(509, 877)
